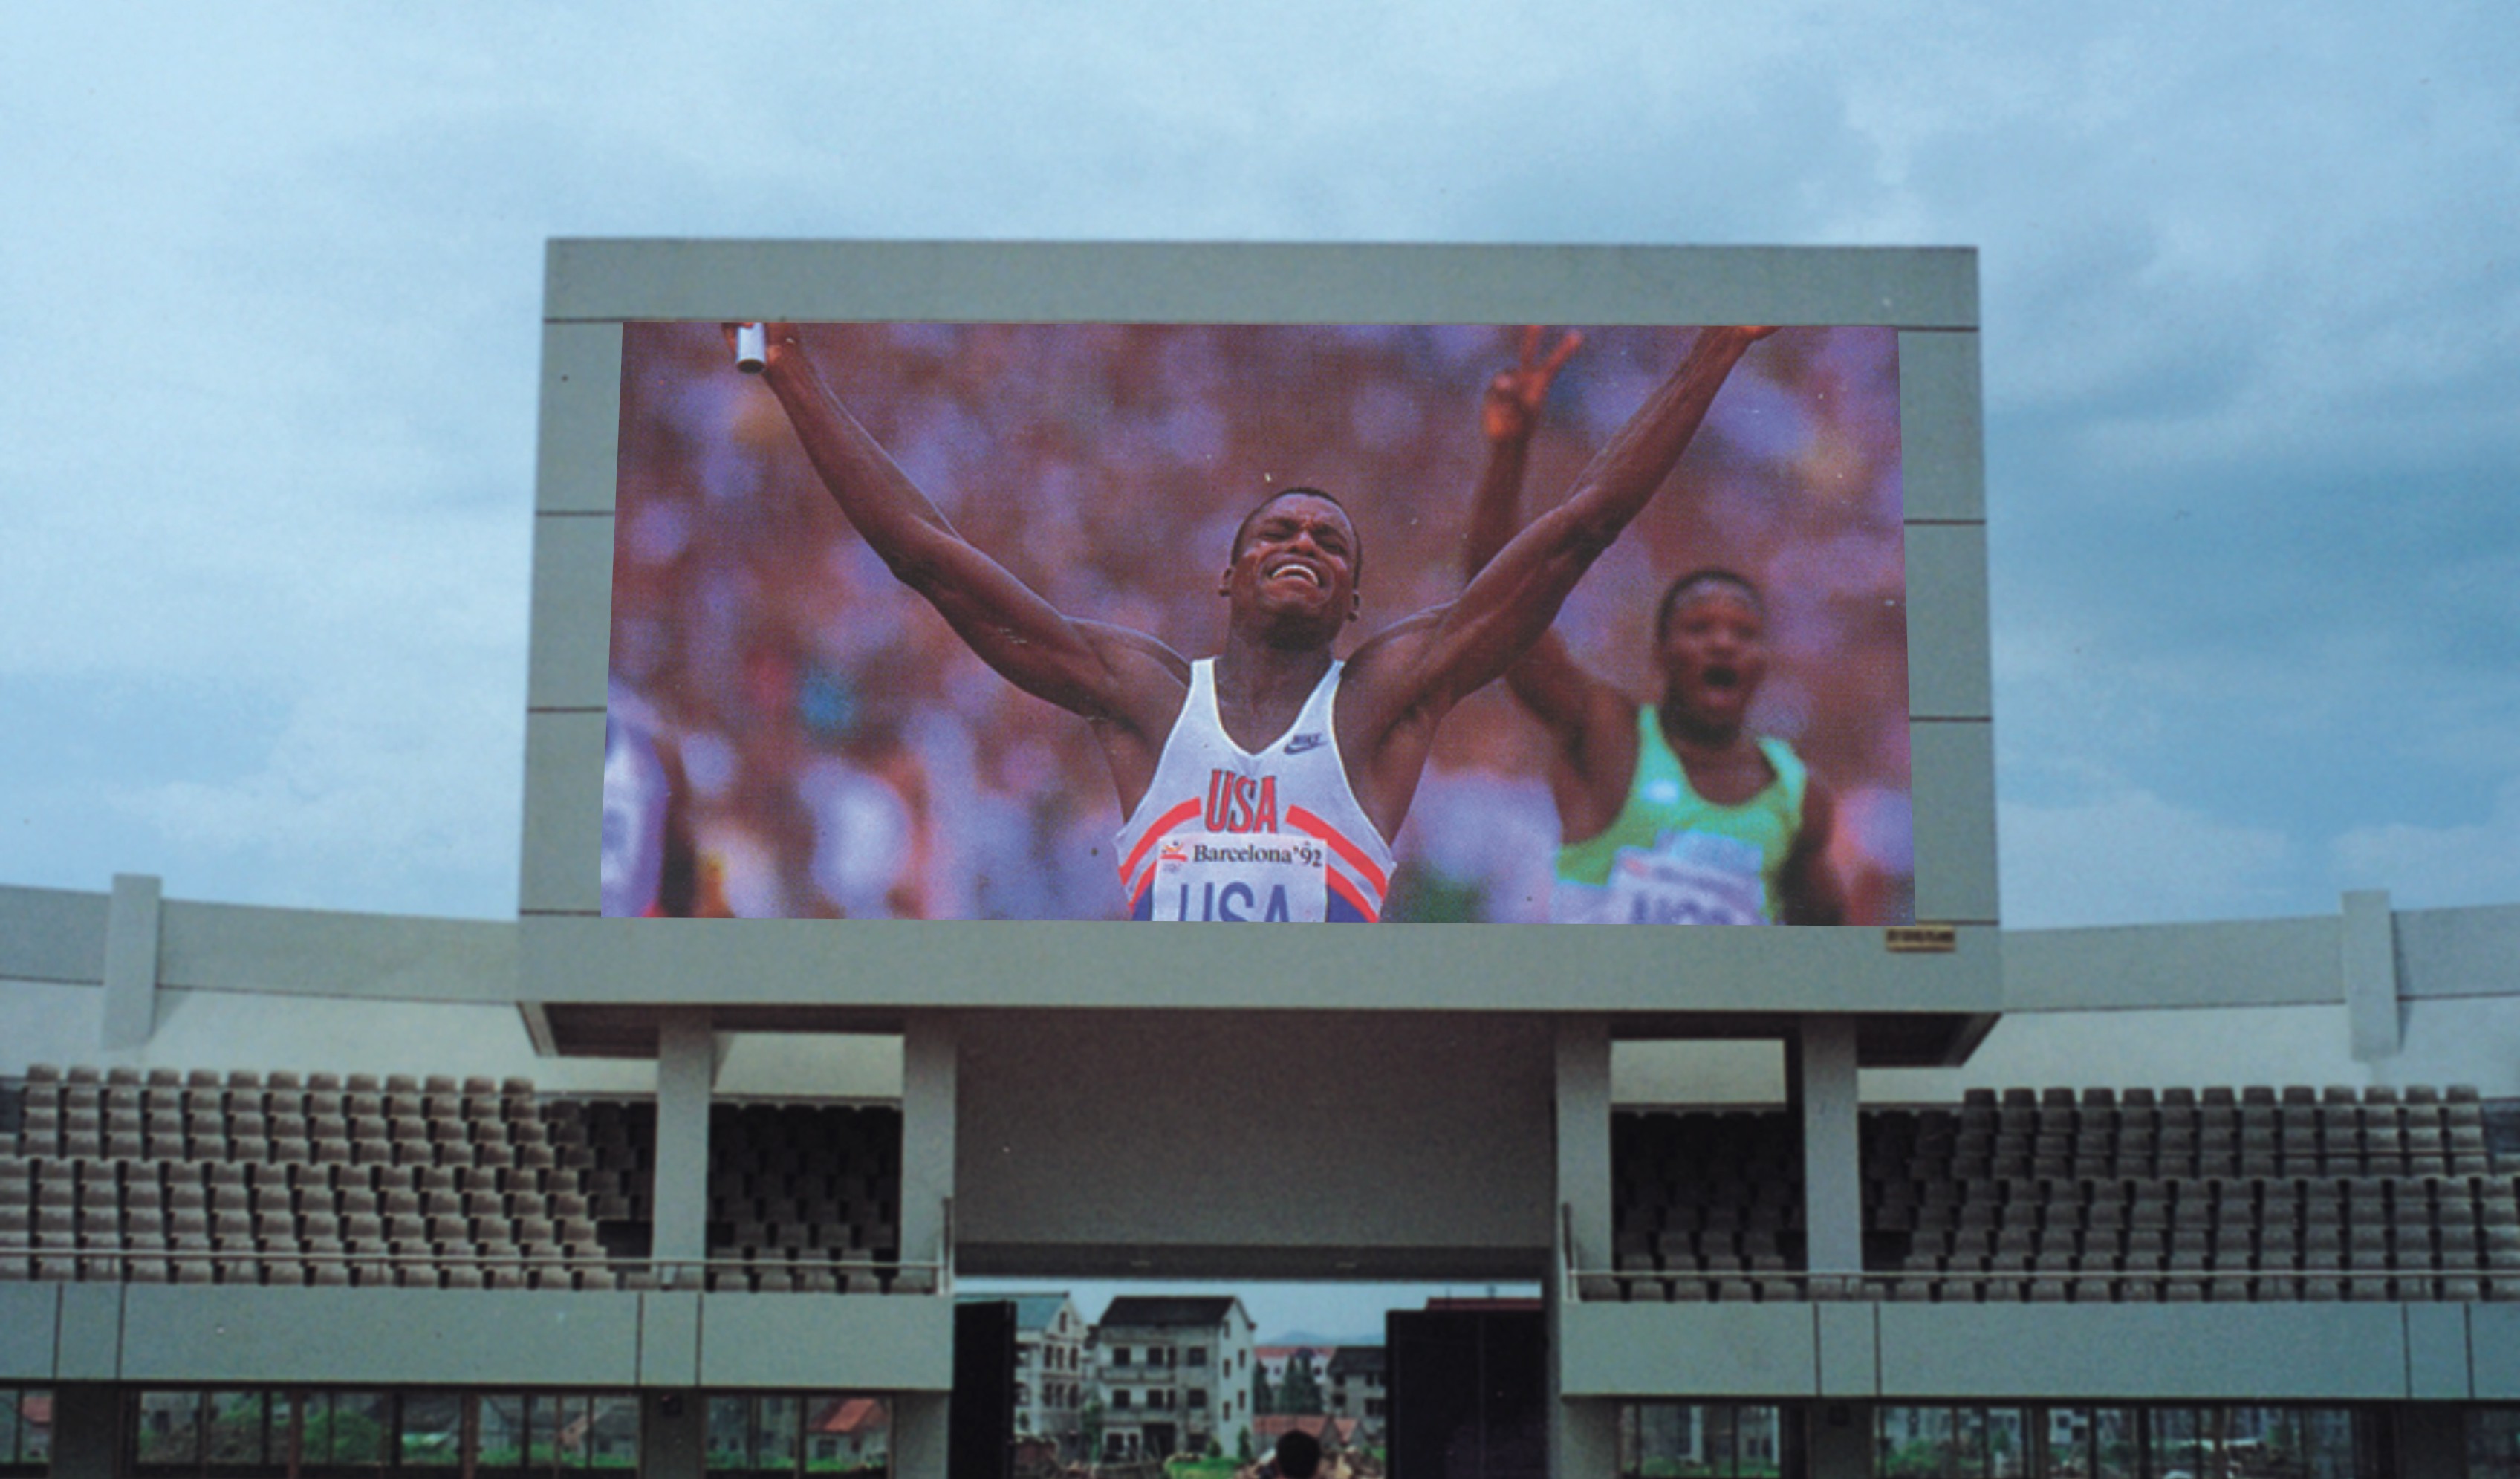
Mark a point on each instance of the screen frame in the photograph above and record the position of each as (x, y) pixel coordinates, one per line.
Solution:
(1653, 979)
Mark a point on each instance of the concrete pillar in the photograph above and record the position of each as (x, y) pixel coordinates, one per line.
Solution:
(2366, 949)
(2432, 1441)
(922, 1431)
(930, 1057)
(87, 1430)
(686, 1077)
(1583, 1434)
(1584, 1140)
(673, 1435)
(1821, 1081)
(130, 1009)
(1837, 1439)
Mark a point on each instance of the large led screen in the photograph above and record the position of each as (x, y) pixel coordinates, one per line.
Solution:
(1217, 622)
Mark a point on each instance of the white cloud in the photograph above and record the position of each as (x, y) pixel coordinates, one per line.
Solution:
(2125, 856)
(373, 795)
(2439, 867)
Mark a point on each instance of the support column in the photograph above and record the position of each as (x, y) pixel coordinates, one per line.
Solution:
(87, 1430)
(1821, 1081)
(2367, 958)
(1583, 1435)
(921, 1435)
(673, 1435)
(1837, 1439)
(929, 1059)
(2432, 1441)
(686, 1077)
(130, 1012)
(1584, 1141)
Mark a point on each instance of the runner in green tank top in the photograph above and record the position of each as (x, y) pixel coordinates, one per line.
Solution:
(1672, 813)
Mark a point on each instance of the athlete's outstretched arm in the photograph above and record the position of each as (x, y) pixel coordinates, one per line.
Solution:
(1578, 709)
(1083, 667)
(1508, 605)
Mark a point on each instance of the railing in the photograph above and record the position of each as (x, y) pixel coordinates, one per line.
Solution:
(2050, 1286)
(371, 1270)
(216, 1263)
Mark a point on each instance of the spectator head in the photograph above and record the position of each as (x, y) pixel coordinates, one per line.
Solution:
(1299, 1455)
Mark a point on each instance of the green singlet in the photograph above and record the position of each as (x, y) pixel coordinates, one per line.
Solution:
(1672, 857)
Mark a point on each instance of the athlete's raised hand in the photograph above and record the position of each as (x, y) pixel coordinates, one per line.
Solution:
(1511, 407)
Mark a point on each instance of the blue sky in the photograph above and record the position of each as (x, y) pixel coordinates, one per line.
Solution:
(270, 286)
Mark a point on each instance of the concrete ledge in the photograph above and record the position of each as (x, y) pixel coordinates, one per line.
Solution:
(895, 1342)
(30, 1320)
(2310, 1352)
(387, 1336)
(1719, 1350)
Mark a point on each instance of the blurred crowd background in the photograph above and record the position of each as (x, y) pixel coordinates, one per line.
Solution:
(821, 744)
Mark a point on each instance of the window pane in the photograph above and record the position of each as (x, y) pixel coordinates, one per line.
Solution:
(432, 1430)
(1754, 1442)
(729, 1432)
(355, 1429)
(542, 1432)
(2114, 1446)
(169, 1428)
(778, 1433)
(2174, 1442)
(2007, 1443)
(2062, 1450)
(34, 1437)
(1968, 1443)
(503, 1431)
(1916, 1442)
(236, 1430)
(612, 1433)
(2327, 1443)
(10, 1403)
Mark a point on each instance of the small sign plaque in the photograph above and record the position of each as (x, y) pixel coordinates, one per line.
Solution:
(1922, 939)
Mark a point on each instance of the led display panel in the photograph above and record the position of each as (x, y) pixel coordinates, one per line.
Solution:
(1200, 622)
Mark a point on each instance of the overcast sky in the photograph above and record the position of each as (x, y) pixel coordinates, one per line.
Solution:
(270, 281)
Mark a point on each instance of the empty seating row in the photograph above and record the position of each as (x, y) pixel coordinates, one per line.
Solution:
(124, 1175)
(349, 1268)
(2137, 1195)
(76, 1076)
(791, 1183)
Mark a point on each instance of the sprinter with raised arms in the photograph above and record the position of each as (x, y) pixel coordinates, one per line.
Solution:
(1672, 812)
(1266, 782)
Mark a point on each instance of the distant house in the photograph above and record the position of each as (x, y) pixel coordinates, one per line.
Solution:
(1174, 1373)
(850, 1432)
(1355, 1388)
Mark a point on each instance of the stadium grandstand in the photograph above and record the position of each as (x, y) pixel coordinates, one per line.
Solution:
(208, 1265)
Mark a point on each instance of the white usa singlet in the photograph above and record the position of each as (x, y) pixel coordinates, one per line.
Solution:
(1223, 833)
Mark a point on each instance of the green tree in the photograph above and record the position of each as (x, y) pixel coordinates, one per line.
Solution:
(1263, 1397)
(1089, 1423)
(1300, 1393)
(1243, 1452)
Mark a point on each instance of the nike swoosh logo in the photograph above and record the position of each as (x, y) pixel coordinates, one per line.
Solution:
(1298, 745)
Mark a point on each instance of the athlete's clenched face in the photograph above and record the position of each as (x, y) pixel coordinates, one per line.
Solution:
(1714, 653)
(1294, 567)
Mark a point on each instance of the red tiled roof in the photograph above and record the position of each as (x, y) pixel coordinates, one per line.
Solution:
(852, 1415)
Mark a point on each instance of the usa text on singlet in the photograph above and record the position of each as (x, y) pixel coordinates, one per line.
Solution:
(1223, 833)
